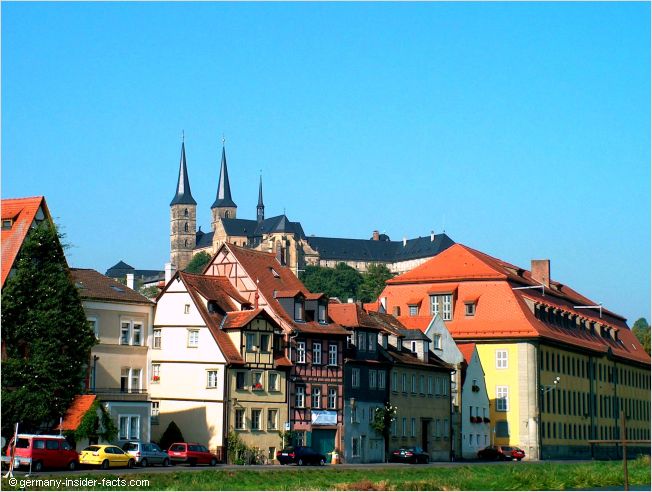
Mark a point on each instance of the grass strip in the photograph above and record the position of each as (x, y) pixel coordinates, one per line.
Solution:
(510, 476)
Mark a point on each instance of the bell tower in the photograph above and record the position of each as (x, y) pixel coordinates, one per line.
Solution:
(183, 218)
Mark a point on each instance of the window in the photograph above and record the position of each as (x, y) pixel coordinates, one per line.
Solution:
(129, 427)
(502, 398)
(156, 373)
(430, 385)
(301, 352)
(332, 354)
(404, 385)
(502, 428)
(240, 380)
(354, 414)
(381, 380)
(413, 346)
(298, 311)
(6, 224)
(436, 341)
(469, 309)
(124, 333)
(272, 419)
(250, 342)
(394, 425)
(404, 422)
(316, 353)
(414, 383)
(372, 378)
(137, 334)
(438, 386)
(362, 340)
(239, 419)
(332, 398)
(321, 313)
(442, 305)
(446, 429)
(355, 446)
(155, 412)
(257, 381)
(413, 427)
(156, 341)
(501, 359)
(93, 325)
(422, 385)
(394, 381)
(371, 342)
(316, 397)
(437, 429)
(211, 378)
(135, 380)
(414, 310)
(264, 343)
(255, 419)
(193, 338)
(186, 309)
(272, 381)
(300, 397)
(355, 377)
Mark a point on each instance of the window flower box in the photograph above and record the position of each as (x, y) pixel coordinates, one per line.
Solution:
(258, 387)
(156, 379)
(486, 420)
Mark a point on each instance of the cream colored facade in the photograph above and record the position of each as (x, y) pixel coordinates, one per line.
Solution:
(187, 371)
(119, 363)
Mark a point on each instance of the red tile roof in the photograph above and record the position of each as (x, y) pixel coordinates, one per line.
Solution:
(240, 319)
(260, 267)
(352, 316)
(93, 285)
(76, 411)
(217, 289)
(501, 312)
(22, 212)
(282, 361)
(288, 293)
(467, 350)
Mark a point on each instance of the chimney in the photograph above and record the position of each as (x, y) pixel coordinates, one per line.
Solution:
(404, 241)
(422, 351)
(432, 236)
(130, 281)
(168, 272)
(349, 300)
(376, 236)
(541, 271)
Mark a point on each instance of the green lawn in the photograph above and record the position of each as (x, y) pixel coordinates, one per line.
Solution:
(513, 476)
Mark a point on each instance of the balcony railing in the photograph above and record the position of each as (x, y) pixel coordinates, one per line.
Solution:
(120, 394)
(101, 391)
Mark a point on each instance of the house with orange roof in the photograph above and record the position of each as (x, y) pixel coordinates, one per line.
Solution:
(312, 343)
(475, 428)
(121, 319)
(530, 330)
(217, 365)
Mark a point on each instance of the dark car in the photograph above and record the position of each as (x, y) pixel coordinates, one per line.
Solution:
(301, 455)
(501, 453)
(411, 454)
(191, 453)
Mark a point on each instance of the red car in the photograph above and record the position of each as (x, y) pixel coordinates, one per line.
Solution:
(501, 453)
(42, 451)
(191, 453)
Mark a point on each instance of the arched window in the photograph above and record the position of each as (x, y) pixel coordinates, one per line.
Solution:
(227, 214)
(185, 213)
(185, 243)
(185, 227)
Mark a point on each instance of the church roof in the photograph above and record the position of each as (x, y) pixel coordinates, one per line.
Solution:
(331, 248)
(253, 228)
(183, 196)
(223, 198)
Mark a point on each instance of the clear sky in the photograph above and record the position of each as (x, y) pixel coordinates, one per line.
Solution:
(522, 130)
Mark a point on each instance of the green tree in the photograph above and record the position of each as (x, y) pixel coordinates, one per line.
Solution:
(641, 330)
(45, 334)
(341, 282)
(382, 423)
(198, 262)
(150, 292)
(373, 282)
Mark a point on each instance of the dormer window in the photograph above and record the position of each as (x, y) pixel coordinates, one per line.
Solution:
(436, 341)
(322, 313)
(384, 341)
(298, 310)
(413, 346)
(469, 308)
(414, 310)
(6, 223)
(442, 305)
(274, 272)
(250, 342)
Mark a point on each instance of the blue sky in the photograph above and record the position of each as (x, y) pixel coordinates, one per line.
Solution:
(523, 130)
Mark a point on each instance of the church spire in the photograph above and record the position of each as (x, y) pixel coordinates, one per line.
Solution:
(183, 196)
(260, 209)
(223, 198)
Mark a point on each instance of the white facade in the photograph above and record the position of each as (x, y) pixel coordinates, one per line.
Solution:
(475, 403)
(184, 357)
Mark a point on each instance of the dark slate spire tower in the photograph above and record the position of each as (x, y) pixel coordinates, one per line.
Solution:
(183, 218)
(260, 208)
(223, 206)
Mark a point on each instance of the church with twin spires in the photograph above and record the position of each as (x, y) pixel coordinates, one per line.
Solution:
(280, 236)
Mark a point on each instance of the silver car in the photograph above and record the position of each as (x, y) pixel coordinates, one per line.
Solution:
(146, 453)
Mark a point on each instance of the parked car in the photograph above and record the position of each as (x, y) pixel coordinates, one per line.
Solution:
(501, 453)
(191, 453)
(146, 453)
(301, 455)
(410, 454)
(105, 456)
(42, 451)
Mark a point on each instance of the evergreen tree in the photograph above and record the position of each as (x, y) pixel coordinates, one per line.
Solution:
(641, 330)
(198, 262)
(373, 282)
(45, 334)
